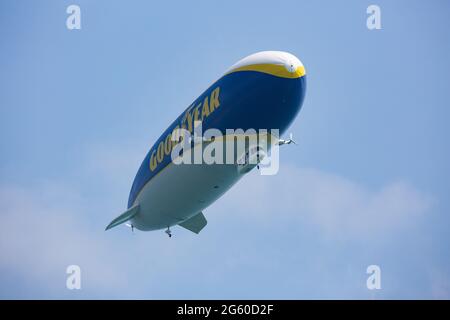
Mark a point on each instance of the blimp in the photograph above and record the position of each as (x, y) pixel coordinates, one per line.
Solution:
(261, 93)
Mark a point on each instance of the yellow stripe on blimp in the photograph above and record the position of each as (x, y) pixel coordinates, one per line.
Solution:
(277, 70)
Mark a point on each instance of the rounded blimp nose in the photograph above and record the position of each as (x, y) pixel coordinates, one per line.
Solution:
(294, 65)
(269, 88)
(277, 63)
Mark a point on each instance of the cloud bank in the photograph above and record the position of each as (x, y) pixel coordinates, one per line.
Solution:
(309, 222)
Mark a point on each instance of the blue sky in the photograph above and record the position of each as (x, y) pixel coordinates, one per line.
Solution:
(367, 184)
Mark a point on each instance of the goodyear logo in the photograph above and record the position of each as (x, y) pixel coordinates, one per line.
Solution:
(196, 112)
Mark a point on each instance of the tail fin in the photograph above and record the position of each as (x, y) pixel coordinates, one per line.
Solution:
(124, 217)
(195, 224)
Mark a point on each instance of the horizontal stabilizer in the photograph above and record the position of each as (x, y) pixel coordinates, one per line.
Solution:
(124, 217)
(195, 224)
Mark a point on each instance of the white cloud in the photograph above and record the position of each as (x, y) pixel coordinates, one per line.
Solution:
(44, 230)
(337, 206)
(47, 227)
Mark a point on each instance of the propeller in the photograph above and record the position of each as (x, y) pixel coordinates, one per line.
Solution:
(289, 141)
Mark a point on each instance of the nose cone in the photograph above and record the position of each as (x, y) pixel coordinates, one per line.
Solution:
(293, 65)
(278, 63)
(269, 87)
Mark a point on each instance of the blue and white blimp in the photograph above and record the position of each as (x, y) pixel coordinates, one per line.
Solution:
(263, 91)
